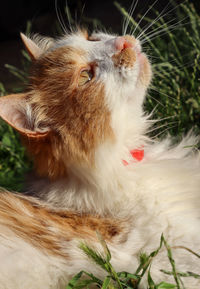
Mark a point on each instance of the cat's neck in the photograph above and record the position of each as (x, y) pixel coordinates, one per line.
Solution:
(102, 187)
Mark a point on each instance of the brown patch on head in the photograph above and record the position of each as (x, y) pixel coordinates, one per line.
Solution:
(126, 58)
(50, 230)
(77, 116)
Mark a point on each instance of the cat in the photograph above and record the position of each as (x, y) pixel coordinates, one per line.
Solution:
(82, 121)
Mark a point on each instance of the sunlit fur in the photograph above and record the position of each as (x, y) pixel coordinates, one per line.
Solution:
(79, 136)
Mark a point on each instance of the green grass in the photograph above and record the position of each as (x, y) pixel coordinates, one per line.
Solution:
(175, 56)
(126, 280)
(13, 160)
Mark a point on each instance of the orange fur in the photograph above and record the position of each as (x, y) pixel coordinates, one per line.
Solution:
(77, 116)
(130, 38)
(125, 58)
(146, 73)
(47, 155)
(48, 229)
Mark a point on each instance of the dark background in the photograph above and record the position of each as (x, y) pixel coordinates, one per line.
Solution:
(42, 14)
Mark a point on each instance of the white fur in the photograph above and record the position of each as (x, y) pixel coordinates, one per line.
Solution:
(160, 194)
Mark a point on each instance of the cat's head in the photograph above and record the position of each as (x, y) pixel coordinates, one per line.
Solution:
(83, 89)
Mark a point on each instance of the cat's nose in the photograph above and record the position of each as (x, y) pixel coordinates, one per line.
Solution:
(121, 43)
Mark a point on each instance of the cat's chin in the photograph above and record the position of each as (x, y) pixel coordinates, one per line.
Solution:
(133, 65)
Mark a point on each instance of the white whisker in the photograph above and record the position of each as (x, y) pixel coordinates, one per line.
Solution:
(132, 9)
(138, 24)
(163, 31)
(158, 91)
(126, 19)
(81, 15)
(155, 20)
(160, 16)
(60, 19)
(158, 102)
(154, 30)
(167, 129)
(68, 16)
(160, 126)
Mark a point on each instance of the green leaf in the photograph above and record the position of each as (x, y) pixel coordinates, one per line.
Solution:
(172, 262)
(84, 283)
(6, 140)
(2, 89)
(95, 279)
(106, 283)
(77, 283)
(94, 256)
(105, 247)
(126, 275)
(72, 283)
(164, 285)
(150, 281)
(28, 27)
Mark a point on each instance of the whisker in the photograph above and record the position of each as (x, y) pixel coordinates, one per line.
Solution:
(161, 126)
(155, 30)
(158, 102)
(158, 91)
(126, 19)
(162, 132)
(155, 20)
(176, 66)
(68, 16)
(164, 118)
(167, 61)
(160, 16)
(159, 34)
(138, 24)
(152, 112)
(130, 16)
(164, 31)
(59, 17)
(81, 15)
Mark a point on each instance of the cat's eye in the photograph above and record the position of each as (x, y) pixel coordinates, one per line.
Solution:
(85, 76)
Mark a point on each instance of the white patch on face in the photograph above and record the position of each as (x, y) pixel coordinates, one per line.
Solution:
(120, 82)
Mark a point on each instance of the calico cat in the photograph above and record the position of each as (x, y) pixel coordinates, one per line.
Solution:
(82, 121)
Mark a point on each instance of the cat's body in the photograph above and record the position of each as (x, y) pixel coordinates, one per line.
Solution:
(81, 119)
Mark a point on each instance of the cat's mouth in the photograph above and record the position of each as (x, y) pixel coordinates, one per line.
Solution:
(129, 55)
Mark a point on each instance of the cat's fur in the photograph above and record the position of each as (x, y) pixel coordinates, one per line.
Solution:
(80, 134)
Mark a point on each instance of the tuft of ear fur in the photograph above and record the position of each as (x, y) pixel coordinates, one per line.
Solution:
(16, 111)
(36, 46)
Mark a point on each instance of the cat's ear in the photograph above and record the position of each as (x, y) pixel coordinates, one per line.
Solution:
(33, 49)
(15, 110)
(37, 45)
